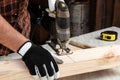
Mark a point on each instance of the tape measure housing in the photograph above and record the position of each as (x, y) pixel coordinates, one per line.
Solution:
(109, 35)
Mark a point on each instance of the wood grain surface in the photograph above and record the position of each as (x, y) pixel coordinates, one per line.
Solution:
(83, 64)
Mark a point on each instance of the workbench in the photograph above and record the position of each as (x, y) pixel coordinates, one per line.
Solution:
(99, 63)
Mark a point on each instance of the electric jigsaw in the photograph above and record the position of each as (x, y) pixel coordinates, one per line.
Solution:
(59, 10)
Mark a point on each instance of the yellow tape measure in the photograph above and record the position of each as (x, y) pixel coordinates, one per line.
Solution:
(109, 35)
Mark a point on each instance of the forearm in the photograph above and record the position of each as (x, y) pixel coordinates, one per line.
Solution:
(9, 37)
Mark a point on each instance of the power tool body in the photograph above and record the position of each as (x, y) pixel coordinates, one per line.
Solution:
(62, 26)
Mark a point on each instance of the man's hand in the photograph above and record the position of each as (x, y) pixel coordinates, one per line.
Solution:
(39, 61)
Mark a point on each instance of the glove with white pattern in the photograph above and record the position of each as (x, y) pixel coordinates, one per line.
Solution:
(39, 61)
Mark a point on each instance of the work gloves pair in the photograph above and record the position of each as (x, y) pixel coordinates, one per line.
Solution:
(39, 61)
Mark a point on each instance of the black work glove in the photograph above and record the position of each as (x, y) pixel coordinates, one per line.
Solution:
(39, 61)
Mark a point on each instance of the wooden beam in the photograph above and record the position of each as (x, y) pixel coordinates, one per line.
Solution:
(116, 17)
(109, 12)
(104, 13)
(14, 70)
(82, 61)
(99, 10)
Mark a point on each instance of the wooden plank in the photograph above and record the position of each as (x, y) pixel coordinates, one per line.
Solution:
(68, 60)
(99, 9)
(88, 66)
(89, 60)
(104, 13)
(116, 19)
(109, 12)
(14, 70)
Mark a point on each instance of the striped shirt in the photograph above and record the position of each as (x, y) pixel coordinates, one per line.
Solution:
(15, 12)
